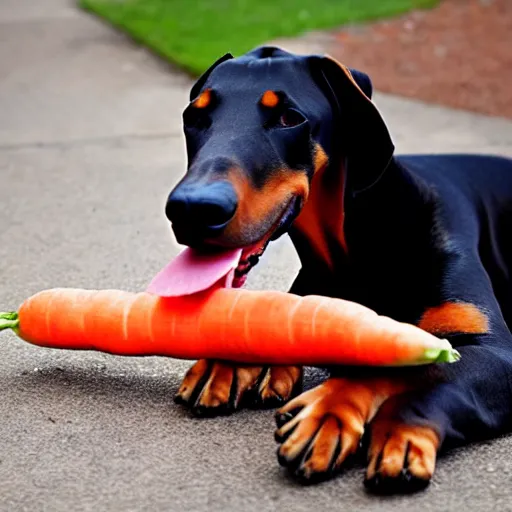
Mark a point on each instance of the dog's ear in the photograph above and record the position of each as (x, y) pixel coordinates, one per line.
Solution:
(196, 88)
(367, 144)
(363, 81)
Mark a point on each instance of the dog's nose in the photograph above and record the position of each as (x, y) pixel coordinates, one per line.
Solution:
(203, 210)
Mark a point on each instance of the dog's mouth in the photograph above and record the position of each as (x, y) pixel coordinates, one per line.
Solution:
(194, 270)
(251, 254)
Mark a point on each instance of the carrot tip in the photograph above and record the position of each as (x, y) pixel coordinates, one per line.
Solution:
(9, 321)
(435, 355)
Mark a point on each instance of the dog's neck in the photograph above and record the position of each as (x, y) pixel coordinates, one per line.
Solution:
(336, 223)
(318, 232)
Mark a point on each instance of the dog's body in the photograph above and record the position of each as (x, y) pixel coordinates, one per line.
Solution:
(422, 239)
(407, 232)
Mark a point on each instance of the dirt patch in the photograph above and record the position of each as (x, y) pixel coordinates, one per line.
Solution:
(458, 54)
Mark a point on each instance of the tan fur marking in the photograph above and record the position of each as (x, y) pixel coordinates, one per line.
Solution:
(217, 388)
(323, 214)
(279, 383)
(454, 317)
(256, 206)
(320, 158)
(270, 99)
(336, 413)
(337, 409)
(203, 100)
(324, 448)
(260, 207)
(192, 377)
(392, 440)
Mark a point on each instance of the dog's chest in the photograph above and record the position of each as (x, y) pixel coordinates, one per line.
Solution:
(398, 290)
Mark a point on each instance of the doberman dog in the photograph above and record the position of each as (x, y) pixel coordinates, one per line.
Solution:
(278, 143)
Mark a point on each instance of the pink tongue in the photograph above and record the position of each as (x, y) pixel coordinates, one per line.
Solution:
(192, 272)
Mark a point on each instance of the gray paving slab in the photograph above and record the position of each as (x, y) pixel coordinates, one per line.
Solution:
(56, 72)
(89, 147)
(12, 11)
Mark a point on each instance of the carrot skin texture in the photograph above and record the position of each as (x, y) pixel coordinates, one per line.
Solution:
(246, 326)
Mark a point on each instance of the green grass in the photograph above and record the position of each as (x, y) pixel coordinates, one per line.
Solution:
(193, 33)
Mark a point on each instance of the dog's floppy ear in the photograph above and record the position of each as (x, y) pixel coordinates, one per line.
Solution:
(364, 136)
(363, 81)
(196, 88)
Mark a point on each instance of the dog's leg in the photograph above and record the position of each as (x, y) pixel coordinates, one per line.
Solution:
(211, 388)
(471, 399)
(474, 403)
(453, 405)
(321, 428)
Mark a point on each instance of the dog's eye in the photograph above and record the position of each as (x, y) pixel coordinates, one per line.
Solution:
(291, 117)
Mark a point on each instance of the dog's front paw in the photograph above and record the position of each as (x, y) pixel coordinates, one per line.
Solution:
(320, 429)
(402, 457)
(213, 388)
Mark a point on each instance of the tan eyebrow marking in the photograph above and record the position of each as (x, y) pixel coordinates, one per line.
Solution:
(270, 99)
(203, 100)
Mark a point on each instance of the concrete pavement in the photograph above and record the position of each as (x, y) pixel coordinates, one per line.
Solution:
(90, 145)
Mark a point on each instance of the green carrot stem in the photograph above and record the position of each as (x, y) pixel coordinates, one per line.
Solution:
(449, 355)
(9, 321)
(433, 356)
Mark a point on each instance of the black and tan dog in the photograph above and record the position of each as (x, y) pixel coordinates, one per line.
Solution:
(284, 143)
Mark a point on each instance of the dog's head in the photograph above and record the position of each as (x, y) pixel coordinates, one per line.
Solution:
(258, 129)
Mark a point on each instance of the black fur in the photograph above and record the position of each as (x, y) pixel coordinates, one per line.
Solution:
(421, 230)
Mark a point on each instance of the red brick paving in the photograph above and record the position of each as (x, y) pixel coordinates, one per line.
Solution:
(458, 54)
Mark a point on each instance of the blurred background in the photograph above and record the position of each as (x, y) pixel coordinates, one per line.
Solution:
(452, 52)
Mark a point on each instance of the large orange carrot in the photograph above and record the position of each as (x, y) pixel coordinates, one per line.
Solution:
(230, 324)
